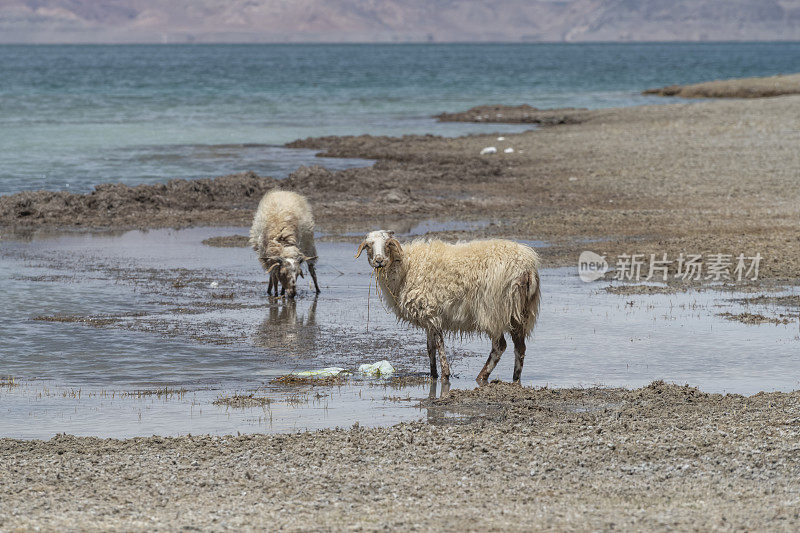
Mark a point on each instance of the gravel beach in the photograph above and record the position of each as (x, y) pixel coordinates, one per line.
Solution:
(662, 457)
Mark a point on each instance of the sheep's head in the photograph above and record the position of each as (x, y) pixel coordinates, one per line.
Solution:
(287, 267)
(382, 248)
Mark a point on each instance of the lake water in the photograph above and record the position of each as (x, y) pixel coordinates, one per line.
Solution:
(75, 116)
(149, 311)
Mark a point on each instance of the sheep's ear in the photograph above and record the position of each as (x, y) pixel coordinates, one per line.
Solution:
(360, 249)
(394, 243)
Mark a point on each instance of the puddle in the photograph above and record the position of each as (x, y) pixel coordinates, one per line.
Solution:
(154, 310)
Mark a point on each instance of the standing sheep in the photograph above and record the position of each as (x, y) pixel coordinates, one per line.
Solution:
(489, 287)
(283, 235)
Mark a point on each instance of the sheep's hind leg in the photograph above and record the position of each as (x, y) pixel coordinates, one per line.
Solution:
(432, 355)
(498, 347)
(272, 283)
(518, 336)
(313, 271)
(442, 356)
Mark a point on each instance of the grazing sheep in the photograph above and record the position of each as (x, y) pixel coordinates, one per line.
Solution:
(283, 235)
(488, 286)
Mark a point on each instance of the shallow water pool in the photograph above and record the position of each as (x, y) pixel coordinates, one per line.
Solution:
(138, 333)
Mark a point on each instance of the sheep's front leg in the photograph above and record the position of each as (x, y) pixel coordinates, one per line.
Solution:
(498, 347)
(518, 336)
(432, 355)
(442, 356)
(313, 271)
(272, 281)
(275, 283)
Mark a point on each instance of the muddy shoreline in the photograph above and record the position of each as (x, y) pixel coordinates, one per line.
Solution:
(711, 177)
(662, 457)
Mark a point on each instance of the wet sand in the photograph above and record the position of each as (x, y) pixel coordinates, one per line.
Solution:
(657, 458)
(522, 114)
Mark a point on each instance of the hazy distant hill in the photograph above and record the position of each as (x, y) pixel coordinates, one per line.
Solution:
(396, 20)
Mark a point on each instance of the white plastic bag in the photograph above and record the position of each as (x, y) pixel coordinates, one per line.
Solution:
(381, 368)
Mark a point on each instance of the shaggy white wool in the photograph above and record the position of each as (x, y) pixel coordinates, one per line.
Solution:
(283, 236)
(285, 217)
(464, 288)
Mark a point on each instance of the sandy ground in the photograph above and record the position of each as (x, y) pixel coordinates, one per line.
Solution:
(736, 88)
(657, 458)
(711, 177)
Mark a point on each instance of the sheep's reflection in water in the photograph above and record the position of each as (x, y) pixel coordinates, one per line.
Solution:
(436, 415)
(294, 332)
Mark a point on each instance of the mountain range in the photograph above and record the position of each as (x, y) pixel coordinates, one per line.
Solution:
(184, 21)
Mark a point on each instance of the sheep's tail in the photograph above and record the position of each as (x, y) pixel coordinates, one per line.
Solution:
(530, 296)
(535, 299)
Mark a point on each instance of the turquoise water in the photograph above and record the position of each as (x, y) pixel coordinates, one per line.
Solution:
(75, 116)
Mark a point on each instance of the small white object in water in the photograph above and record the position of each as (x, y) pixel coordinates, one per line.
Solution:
(214, 284)
(509, 150)
(501, 138)
(381, 368)
(322, 373)
(573, 178)
(489, 150)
